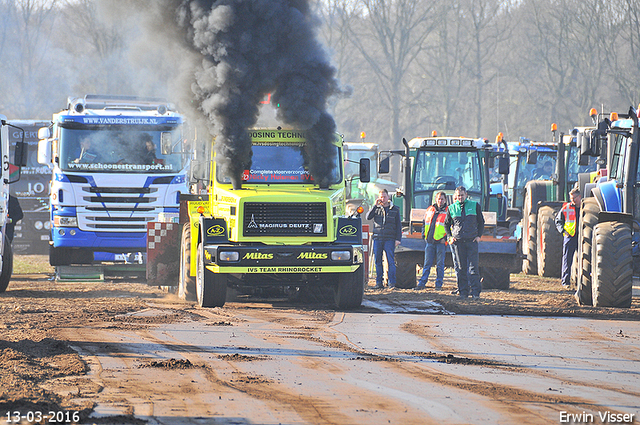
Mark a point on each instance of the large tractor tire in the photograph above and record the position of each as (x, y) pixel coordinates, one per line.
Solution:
(211, 288)
(494, 278)
(588, 220)
(612, 265)
(529, 248)
(7, 265)
(350, 289)
(549, 244)
(575, 270)
(186, 282)
(406, 263)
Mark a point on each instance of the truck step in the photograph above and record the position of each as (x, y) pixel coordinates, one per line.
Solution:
(79, 273)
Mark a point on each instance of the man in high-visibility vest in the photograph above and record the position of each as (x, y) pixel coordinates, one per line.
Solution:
(434, 234)
(464, 225)
(567, 224)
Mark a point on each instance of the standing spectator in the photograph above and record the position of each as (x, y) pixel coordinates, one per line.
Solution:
(387, 233)
(567, 223)
(434, 234)
(464, 225)
(15, 215)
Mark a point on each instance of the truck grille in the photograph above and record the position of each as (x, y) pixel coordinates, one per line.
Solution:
(285, 219)
(115, 209)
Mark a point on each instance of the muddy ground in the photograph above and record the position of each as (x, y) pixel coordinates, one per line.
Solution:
(37, 365)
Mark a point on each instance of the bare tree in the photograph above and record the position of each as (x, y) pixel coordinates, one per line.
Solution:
(31, 22)
(443, 75)
(390, 35)
(489, 25)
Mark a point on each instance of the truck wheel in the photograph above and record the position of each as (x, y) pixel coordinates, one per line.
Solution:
(211, 288)
(612, 265)
(7, 265)
(549, 244)
(186, 282)
(495, 278)
(588, 220)
(350, 289)
(406, 263)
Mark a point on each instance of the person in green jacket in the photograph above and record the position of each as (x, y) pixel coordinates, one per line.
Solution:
(464, 225)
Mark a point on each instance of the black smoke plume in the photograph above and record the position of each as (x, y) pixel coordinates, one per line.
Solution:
(244, 49)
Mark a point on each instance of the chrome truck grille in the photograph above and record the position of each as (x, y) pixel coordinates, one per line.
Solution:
(285, 219)
(117, 209)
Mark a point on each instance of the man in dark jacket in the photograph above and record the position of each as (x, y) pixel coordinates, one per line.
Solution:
(387, 233)
(464, 225)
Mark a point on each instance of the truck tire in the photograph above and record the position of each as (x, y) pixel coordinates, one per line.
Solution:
(186, 282)
(211, 288)
(588, 220)
(612, 265)
(350, 289)
(549, 244)
(495, 278)
(406, 263)
(7, 265)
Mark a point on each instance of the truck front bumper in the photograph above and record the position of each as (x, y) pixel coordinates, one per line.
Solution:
(269, 259)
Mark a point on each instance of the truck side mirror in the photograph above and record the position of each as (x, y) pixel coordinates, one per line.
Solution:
(365, 170)
(383, 167)
(44, 151)
(44, 133)
(165, 143)
(20, 156)
(503, 165)
(582, 159)
(532, 156)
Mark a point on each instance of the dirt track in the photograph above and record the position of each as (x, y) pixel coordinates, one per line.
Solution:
(145, 356)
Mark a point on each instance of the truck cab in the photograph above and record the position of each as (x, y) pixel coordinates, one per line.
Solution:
(279, 230)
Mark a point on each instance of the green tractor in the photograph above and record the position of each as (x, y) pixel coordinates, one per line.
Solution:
(434, 164)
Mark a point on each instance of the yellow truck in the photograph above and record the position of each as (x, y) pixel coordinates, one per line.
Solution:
(279, 231)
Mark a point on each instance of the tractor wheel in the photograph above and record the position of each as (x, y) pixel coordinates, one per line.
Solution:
(494, 278)
(7, 265)
(186, 283)
(612, 265)
(588, 220)
(549, 244)
(406, 263)
(350, 289)
(211, 288)
(574, 270)
(529, 249)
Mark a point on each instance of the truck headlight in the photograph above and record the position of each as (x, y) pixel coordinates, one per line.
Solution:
(61, 221)
(341, 255)
(38, 225)
(228, 256)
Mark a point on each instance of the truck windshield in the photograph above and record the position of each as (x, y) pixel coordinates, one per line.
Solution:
(437, 170)
(282, 163)
(114, 149)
